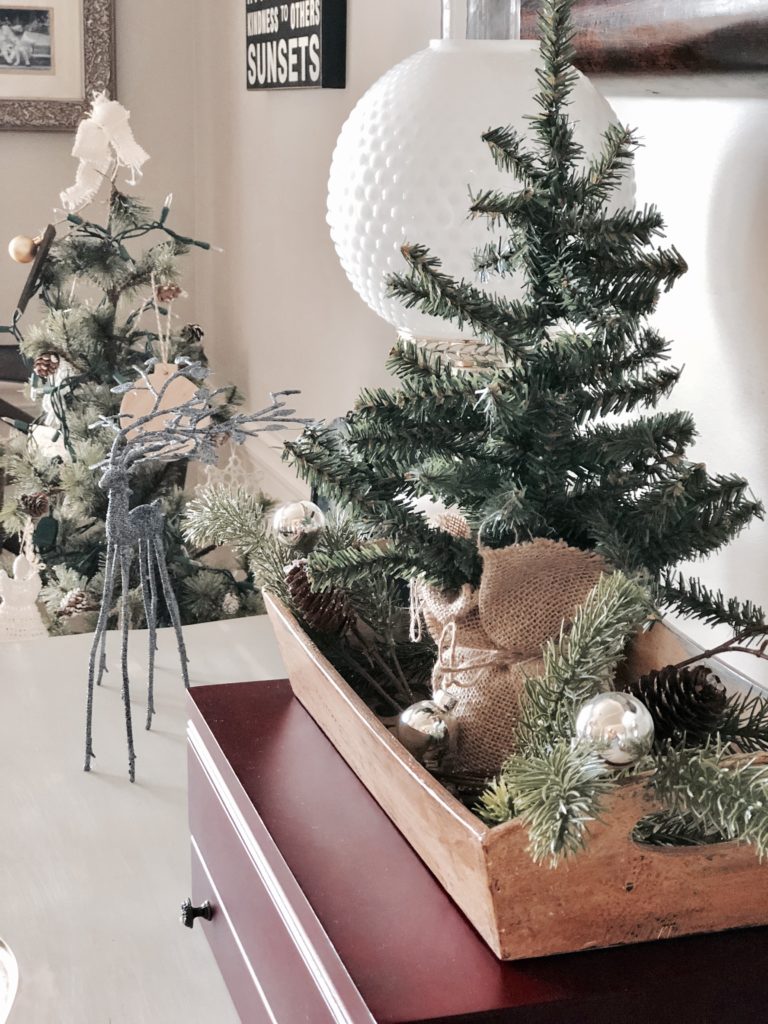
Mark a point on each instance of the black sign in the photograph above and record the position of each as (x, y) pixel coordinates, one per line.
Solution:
(301, 44)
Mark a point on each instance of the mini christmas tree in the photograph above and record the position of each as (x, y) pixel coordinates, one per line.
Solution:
(534, 447)
(560, 440)
(108, 309)
(552, 441)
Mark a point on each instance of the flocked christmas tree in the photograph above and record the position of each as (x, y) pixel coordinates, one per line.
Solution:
(559, 441)
(107, 309)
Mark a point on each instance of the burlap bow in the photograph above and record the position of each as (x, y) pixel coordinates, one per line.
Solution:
(491, 638)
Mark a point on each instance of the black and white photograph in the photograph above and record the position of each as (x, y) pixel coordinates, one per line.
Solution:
(26, 39)
(55, 55)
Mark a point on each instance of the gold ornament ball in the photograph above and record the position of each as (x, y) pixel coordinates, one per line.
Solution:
(23, 249)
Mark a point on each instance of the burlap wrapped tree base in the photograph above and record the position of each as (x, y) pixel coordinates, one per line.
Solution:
(491, 638)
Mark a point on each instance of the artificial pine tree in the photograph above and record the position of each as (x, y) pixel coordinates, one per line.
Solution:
(557, 437)
(560, 440)
(534, 447)
(107, 310)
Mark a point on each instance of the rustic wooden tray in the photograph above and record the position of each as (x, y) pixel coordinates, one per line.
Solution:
(616, 892)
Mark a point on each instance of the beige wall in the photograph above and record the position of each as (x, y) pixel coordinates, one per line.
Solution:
(278, 309)
(284, 313)
(705, 164)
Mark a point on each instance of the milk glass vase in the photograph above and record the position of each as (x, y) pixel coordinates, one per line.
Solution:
(411, 150)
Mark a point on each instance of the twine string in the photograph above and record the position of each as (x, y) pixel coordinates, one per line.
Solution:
(446, 660)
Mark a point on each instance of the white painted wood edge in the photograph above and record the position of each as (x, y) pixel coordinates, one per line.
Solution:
(274, 475)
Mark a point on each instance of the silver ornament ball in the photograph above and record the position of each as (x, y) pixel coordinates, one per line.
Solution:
(619, 725)
(298, 525)
(428, 731)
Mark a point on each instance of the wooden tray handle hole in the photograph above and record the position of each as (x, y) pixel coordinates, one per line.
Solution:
(662, 830)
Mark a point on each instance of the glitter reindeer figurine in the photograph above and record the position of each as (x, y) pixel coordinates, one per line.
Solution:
(190, 430)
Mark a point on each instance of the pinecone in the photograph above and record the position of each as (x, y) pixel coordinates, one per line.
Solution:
(686, 702)
(35, 505)
(167, 292)
(74, 602)
(46, 365)
(327, 612)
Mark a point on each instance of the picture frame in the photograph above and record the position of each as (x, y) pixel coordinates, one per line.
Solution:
(54, 55)
(665, 36)
(296, 46)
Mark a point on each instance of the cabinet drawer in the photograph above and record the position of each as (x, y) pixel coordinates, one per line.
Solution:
(288, 970)
(244, 987)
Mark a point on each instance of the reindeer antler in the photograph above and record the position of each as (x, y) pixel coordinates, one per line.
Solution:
(190, 429)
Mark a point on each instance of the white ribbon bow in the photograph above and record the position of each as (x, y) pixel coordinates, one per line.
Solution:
(103, 138)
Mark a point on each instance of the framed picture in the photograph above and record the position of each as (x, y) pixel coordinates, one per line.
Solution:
(54, 55)
(296, 46)
(661, 36)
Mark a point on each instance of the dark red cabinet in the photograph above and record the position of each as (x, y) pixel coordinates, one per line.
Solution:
(322, 912)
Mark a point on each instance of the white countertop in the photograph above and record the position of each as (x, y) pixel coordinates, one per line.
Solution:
(92, 868)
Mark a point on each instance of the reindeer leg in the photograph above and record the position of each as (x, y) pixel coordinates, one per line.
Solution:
(99, 639)
(103, 656)
(109, 587)
(173, 608)
(102, 659)
(125, 570)
(149, 591)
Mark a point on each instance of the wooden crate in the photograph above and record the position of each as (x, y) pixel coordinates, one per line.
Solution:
(616, 892)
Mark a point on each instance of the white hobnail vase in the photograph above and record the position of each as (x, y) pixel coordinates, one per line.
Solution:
(411, 150)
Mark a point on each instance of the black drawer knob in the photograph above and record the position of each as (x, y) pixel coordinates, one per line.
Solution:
(190, 913)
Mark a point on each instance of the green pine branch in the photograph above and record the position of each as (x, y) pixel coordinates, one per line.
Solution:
(604, 174)
(719, 795)
(221, 515)
(665, 829)
(126, 212)
(497, 207)
(321, 458)
(511, 517)
(623, 393)
(511, 155)
(555, 794)
(649, 444)
(499, 258)
(556, 78)
(495, 805)
(409, 549)
(640, 279)
(744, 727)
(689, 597)
(437, 294)
(686, 515)
(409, 360)
(581, 662)
(605, 234)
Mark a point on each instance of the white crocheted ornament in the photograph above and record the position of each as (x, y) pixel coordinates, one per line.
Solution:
(20, 617)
